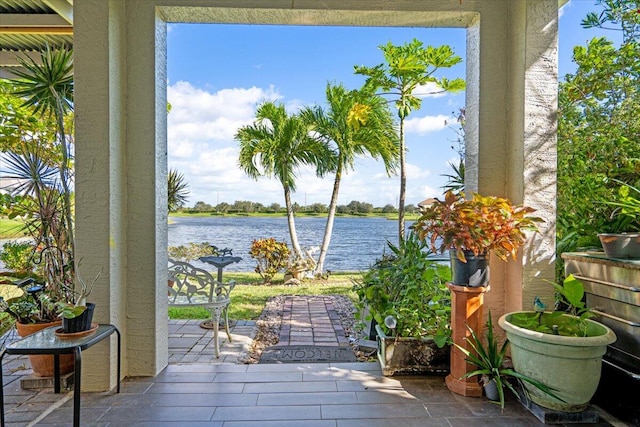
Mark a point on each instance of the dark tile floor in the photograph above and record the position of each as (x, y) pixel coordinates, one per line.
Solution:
(196, 389)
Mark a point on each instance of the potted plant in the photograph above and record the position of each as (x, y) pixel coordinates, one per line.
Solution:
(624, 244)
(471, 228)
(562, 349)
(405, 292)
(492, 367)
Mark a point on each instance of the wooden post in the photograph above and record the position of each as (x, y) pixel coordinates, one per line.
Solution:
(466, 309)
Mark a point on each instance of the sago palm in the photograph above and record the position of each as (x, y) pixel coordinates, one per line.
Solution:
(276, 145)
(355, 123)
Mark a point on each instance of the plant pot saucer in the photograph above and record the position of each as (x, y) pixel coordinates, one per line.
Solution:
(71, 335)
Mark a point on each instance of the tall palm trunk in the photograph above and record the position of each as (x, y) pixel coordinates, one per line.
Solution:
(403, 184)
(329, 227)
(291, 222)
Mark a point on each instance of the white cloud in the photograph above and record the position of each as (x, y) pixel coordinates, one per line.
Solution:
(197, 114)
(201, 127)
(424, 125)
(414, 172)
(429, 90)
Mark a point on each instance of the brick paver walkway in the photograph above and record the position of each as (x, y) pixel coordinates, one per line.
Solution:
(311, 321)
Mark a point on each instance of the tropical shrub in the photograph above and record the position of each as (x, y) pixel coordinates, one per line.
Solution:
(271, 255)
(411, 288)
(17, 257)
(190, 251)
(480, 224)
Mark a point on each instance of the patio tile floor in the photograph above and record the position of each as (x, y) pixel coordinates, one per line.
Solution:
(196, 389)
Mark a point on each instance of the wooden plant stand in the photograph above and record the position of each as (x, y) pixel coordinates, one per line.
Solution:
(466, 309)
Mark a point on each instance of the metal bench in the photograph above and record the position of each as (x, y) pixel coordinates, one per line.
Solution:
(192, 286)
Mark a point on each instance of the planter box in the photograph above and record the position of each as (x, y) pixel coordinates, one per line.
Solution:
(411, 356)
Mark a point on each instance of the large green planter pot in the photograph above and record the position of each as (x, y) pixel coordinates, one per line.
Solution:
(411, 356)
(570, 365)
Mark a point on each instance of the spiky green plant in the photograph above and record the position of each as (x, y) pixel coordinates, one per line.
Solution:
(490, 360)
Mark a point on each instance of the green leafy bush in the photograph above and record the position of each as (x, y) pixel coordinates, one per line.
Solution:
(190, 251)
(412, 289)
(17, 257)
(272, 256)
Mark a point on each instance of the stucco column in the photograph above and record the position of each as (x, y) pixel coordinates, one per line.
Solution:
(146, 106)
(120, 162)
(100, 182)
(511, 134)
(532, 171)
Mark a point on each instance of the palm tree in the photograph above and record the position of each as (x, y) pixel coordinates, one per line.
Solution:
(276, 144)
(177, 190)
(406, 69)
(355, 123)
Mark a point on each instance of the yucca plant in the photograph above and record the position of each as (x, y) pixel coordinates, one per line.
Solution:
(490, 361)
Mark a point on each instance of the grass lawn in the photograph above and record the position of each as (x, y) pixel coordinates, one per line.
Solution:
(249, 296)
(10, 229)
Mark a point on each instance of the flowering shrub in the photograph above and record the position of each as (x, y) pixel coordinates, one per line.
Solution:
(272, 256)
(480, 225)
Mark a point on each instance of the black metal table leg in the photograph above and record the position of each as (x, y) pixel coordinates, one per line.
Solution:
(118, 377)
(56, 373)
(1, 390)
(77, 366)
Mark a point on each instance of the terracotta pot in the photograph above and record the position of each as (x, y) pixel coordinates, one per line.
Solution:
(42, 365)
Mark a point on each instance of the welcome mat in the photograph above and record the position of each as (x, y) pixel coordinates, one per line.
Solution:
(311, 354)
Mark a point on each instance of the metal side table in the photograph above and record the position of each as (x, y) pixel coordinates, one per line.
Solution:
(46, 341)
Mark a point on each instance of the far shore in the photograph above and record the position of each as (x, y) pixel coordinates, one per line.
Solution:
(389, 216)
(10, 229)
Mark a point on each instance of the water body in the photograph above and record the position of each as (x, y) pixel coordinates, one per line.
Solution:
(355, 243)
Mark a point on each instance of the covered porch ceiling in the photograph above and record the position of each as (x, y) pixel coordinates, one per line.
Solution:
(27, 26)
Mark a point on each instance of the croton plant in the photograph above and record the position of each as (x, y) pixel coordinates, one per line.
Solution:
(479, 224)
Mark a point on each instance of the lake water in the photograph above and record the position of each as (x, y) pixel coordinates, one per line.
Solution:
(355, 243)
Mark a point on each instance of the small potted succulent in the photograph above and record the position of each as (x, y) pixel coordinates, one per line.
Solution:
(471, 228)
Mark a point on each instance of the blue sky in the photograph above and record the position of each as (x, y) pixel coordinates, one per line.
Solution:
(218, 74)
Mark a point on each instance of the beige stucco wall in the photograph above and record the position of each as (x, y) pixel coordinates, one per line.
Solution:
(121, 138)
